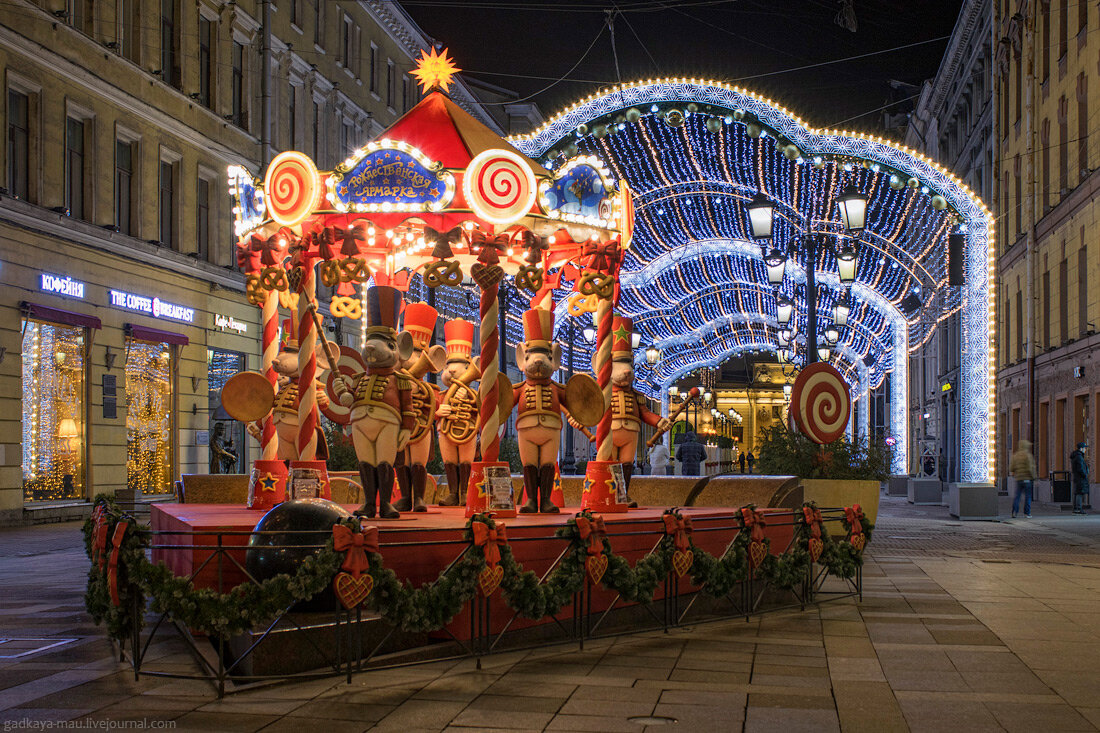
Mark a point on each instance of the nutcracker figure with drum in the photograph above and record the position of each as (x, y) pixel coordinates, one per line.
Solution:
(412, 471)
(458, 409)
(628, 406)
(284, 411)
(540, 403)
(381, 401)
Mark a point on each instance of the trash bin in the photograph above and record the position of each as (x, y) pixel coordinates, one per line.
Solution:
(1060, 488)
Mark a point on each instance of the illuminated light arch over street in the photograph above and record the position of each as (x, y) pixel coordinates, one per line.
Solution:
(694, 278)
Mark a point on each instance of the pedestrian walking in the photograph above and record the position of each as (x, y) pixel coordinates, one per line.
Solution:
(741, 461)
(1079, 466)
(1022, 468)
(752, 460)
(690, 454)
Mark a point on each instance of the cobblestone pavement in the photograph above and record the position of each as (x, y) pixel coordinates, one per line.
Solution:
(963, 625)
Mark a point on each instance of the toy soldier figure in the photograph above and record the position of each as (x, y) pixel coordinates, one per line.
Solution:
(284, 412)
(539, 403)
(382, 415)
(628, 406)
(458, 410)
(412, 471)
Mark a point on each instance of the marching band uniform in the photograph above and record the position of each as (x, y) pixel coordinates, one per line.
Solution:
(628, 406)
(412, 471)
(458, 422)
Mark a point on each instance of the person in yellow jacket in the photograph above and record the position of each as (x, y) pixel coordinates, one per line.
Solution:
(1022, 468)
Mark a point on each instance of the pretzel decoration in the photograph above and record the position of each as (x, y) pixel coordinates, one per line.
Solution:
(254, 289)
(530, 278)
(578, 304)
(443, 272)
(273, 278)
(342, 306)
(288, 299)
(596, 283)
(329, 272)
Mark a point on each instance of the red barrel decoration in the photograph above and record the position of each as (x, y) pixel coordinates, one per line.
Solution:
(820, 406)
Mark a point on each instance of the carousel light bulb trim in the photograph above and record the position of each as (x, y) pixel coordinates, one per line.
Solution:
(336, 177)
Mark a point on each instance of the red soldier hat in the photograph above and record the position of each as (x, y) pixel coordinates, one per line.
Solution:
(538, 328)
(420, 321)
(459, 334)
(622, 335)
(383, 311)
(288, 339)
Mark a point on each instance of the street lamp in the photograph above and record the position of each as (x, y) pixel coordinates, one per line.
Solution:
(841, 311)
(672, 391)
(787, 388)
(776, 263)
(823, 353)
(846, 261)
(635, 340)
(706, 396)
(589, 333)
(853, 208)
(652, 354)
(832, 335)
(784, 309)
(760, 216)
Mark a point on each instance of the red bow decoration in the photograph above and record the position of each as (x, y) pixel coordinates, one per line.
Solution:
(112, 565)
(99, 549)
(812, 515)
(355, 546)
(754, 522)
(603, 256)
(489, 248)
(490, 539)
(854, 515)
(272, 250)
(679, 527)
(325, 241)
(593, 531)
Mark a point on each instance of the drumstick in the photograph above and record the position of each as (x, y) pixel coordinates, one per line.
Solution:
(693, 393)
(584, 431)
(326, 345)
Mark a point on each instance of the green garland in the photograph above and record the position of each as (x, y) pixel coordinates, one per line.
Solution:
(433, 605)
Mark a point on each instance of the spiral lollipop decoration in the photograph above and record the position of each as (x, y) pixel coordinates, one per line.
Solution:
(269, 443)
(499, 186)
(820, 406)
(291, 187)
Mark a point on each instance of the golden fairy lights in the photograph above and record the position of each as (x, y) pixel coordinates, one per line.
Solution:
(53, 412)
(149, 417)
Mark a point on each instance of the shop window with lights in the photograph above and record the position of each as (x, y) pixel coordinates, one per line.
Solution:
(149, 393)
(54, 361)
(227, 436)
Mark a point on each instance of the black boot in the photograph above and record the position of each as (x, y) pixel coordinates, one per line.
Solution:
(463, 481)
(546, 487)
(531, 486)
(419, 483)
(404, 482)
(385, 491)
(453, 485)
(370, 490)
(628, 472)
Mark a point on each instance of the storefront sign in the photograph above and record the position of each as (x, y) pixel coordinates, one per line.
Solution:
(229, 323)
(62, 286)
(152, 306)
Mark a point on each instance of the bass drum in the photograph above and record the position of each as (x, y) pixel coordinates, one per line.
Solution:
(350, 364)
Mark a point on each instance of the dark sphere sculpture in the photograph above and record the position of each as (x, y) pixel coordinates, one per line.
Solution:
(299, 529)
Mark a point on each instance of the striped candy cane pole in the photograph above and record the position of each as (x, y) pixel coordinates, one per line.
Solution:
(603, 376)
(488, 420)
(269, 444)
(307, 366)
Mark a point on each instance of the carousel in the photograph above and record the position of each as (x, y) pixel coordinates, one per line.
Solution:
(441, 201)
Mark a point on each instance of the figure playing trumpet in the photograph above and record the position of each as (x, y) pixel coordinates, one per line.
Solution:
(458, 410)
(412, 470)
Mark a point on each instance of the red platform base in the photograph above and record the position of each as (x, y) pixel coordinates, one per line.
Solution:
(441, 530)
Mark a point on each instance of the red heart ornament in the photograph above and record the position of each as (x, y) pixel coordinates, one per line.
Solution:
(815, 547)
(489, 580)
(757, 552)
(351, 590)
(681, 561)
(597, 566)
(858, 541)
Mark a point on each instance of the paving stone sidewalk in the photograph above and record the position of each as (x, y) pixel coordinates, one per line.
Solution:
(960, 630)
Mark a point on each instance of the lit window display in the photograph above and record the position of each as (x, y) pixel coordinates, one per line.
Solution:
(53, 411)
(149, 387)
(227, 437)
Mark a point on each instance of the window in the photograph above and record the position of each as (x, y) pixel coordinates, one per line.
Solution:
(317, 122)
(130, 37)
(1019, 322)
(1082, 125)
(239, 118)
(82, 15)
(169, 44)
(1063, 300)
(150, 404)
(374, 68)
(405, 94)
(1063, 29)
(1082, 17)
(202, 220)
(295, 91)
(1082, 287)
(1046, 310)
(319, 23)
(1017, 202)
(74, 167)
(1045, 48)
(1063, 146)
(206, 66)
(1018, 97)
(53, 411)
(19, 144)
(296, 12)
(166, 200)
(347, 138)
(389, 84)
(124, 186)
(1044, 144)
(347, 42)
(221, 365)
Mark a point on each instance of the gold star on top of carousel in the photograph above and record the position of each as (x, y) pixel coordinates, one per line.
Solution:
(435, 70)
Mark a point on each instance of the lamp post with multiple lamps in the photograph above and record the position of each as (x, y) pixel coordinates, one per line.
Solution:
(853, 210)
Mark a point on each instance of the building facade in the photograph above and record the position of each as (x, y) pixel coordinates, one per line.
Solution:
(1048, 378)
(121, 308)
(952, 123)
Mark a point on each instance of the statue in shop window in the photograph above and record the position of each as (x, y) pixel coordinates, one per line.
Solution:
(222, 457)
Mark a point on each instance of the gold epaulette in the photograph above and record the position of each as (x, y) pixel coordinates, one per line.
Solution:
(404, 382)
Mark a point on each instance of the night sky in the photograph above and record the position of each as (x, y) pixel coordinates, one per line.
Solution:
(743, 42)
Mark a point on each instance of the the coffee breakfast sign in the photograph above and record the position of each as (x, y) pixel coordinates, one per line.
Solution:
(154, 307)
